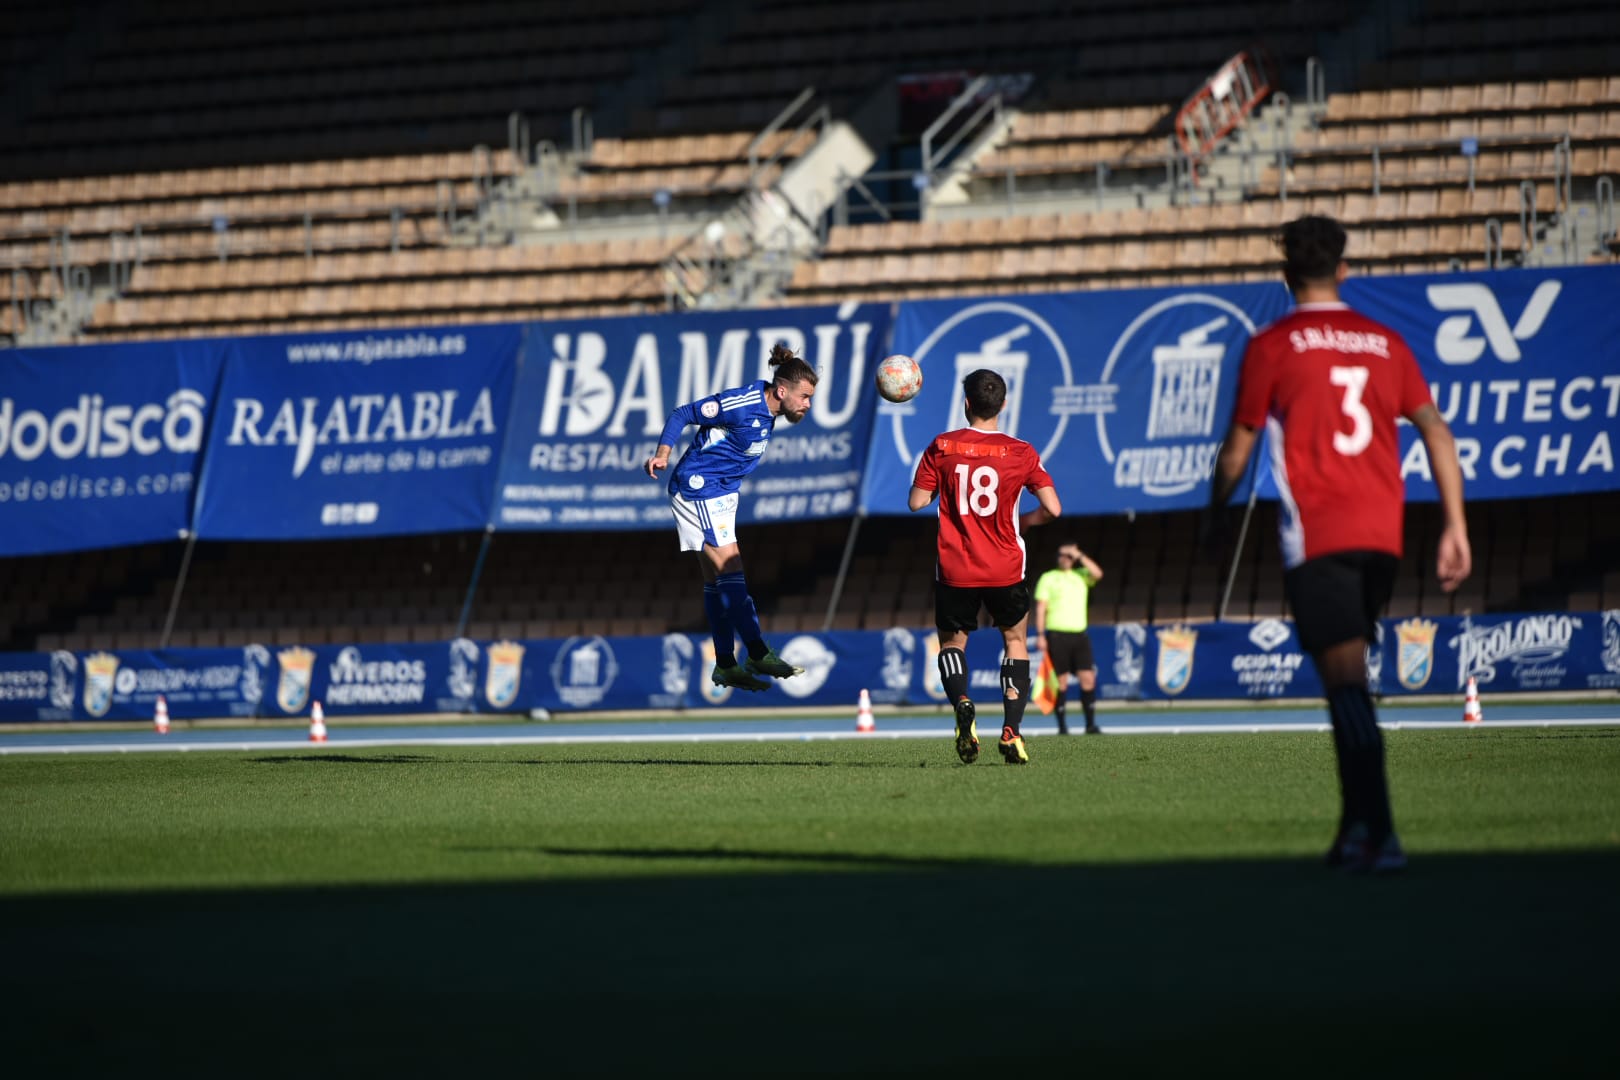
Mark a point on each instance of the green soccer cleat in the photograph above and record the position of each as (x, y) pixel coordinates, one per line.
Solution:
(967, 732)
(1012, 748)
(735, 676)
(772, 665)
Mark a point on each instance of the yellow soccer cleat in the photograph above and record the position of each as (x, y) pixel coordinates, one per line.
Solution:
(1012, 747)
(967, 733)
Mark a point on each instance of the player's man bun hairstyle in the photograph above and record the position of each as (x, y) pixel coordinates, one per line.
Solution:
(790, 369)
(985, 393)
(1313, 248)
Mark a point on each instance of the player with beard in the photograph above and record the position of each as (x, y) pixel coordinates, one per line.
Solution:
(734, 430)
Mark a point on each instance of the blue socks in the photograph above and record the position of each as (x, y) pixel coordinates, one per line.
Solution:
(739, 608)
(725, 643)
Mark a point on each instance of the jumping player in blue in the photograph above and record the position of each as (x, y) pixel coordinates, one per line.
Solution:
(734, 430)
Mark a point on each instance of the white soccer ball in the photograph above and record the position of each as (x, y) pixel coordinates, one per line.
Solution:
(898, 378)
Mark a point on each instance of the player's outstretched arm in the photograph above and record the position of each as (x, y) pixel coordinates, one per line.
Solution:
(1455, 559)
(1230, 463)
(658, 462)
(1050, 509)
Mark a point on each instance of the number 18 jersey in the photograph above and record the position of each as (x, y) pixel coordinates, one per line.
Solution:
(1328, 384)
(979, 476)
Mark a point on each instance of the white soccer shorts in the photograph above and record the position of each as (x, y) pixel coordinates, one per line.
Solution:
(705, 521)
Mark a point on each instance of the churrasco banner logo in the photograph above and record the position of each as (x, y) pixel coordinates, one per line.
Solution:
(1124, 395)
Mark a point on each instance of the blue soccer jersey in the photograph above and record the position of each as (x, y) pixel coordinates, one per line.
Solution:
(734, 428)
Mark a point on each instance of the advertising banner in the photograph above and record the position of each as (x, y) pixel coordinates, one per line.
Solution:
(1125, 395)
(1503, 653)
(1525, 367)
(1135, 662)
(99, 444)
(357, 434)
(593, 397)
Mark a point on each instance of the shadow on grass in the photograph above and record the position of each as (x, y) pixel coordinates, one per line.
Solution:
(807, 858)
(1489, 965)
(568, 762)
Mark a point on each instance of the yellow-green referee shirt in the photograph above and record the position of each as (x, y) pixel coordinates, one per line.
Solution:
(1067, 593)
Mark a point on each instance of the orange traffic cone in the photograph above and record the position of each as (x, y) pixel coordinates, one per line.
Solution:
(160, 716)
(317, 724)
(863, 713)
(1472, 713)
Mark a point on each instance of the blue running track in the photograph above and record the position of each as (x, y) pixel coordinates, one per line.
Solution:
(696, 729)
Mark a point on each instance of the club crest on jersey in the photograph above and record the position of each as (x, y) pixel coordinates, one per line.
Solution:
(297, 670)
(1176, 646)
(1414, 652)
(505, 673)
(710, 409)
(100, 676)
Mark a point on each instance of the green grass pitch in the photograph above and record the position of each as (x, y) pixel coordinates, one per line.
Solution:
(1123, 906)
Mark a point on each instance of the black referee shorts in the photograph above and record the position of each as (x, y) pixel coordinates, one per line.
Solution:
(958, 609)
(1337, 598)
(1070, 651)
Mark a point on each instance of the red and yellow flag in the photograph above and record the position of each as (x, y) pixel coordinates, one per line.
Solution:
(1047, 686)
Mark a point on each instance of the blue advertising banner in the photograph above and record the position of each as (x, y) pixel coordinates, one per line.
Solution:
(1227, 661)
(1503, 653)
(1136, 662)
(357, 434)
(1525, 367)
(1126, 395)
(99, 444)
(593, 396)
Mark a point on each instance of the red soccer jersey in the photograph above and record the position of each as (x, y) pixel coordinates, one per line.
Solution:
(979, 476)
(1328, 384)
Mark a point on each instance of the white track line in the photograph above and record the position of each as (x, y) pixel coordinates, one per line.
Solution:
(340, 744)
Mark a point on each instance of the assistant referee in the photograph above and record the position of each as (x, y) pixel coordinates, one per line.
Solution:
(1062, 597)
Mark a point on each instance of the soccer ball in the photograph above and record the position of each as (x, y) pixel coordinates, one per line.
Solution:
(898, 378)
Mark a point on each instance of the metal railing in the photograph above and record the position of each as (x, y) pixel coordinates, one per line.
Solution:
(934, 158)
(1603, 194)
(809, 126)
(1493, 244)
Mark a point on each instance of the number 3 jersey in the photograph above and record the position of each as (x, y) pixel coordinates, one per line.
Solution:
(1328, 384)
(979, 476)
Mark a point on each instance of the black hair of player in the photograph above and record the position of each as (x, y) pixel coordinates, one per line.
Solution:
(790, 369)
(1313, 248)
(985, 393)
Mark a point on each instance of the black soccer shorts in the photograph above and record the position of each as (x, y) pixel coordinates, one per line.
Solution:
(1336, 598)
(958, 609)
(1070, 651)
